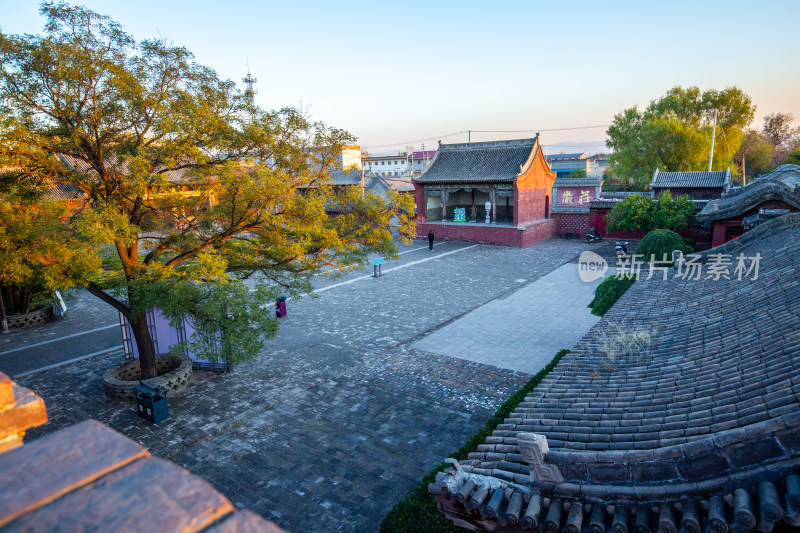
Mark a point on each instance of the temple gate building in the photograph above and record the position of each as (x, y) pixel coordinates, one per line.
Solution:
(496, 192)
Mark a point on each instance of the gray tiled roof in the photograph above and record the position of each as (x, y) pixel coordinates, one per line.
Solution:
(788, 174)
(742, 199)
(577, 182)
(173, 176)
(485, 162)
(399, 184)
(714, 179)
(353, 177)
(708, 411)
(624, 194)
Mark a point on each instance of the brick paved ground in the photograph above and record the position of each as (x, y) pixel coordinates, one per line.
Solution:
(339, 417)
(546, 316)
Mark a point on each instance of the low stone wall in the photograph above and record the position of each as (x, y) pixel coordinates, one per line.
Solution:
(572, 223)
(119, 383)
(33, 318)
(520, 237)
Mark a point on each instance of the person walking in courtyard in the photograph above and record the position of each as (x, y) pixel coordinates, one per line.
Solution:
(430, 240)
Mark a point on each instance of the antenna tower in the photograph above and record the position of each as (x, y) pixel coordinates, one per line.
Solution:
(249, 82)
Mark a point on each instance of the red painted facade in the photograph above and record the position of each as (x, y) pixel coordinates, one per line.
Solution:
(532, 190)
(483, 234)
(730, 228)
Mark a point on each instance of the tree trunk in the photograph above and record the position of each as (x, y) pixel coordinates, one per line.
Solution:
(3, 321)
(144, 342)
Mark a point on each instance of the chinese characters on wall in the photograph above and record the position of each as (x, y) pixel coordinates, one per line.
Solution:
(574, 196)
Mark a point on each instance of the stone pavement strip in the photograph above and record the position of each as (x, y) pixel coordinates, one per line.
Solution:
(340, 416)
(523, 330)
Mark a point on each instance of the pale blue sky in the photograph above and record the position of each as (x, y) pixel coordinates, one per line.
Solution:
(391, 73)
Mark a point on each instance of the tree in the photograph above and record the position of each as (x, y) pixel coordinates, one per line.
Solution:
(762, 151)
(755, 155)
(674, 133)
(38, 252)
(778, 131)
(641, 213)
(577, 173)
(188, 188)
(659, 244)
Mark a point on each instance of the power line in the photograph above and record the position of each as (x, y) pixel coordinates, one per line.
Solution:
(540, 130)
(418, 140)
(438, 137)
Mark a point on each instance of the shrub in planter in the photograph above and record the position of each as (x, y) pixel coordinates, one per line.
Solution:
(609, 291)
(661, 243)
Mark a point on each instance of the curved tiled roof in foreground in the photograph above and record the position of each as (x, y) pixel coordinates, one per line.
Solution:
(702, 429)
(780, 184)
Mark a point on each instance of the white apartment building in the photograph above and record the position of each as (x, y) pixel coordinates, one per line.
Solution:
(399, 164)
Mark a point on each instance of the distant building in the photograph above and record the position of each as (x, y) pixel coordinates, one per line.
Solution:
(351, 156)
(387, 165)
(399, 164)
(420, 161)
(564, 164)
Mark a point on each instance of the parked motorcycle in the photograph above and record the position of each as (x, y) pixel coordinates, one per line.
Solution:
(594, 236)
(621, 249)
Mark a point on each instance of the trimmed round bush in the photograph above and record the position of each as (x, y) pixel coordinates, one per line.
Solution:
(659, 242)
(609, 291)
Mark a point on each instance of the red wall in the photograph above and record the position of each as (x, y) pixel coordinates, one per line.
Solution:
(531, 190)
(419, 196)
(500, 235)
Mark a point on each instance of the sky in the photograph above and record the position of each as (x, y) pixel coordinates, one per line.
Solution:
(401, 74)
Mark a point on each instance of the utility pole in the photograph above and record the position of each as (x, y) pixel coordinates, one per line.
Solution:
(713, 134)
(362, 174)
(744, 171)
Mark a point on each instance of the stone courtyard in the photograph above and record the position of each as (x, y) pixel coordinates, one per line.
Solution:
(344, 412)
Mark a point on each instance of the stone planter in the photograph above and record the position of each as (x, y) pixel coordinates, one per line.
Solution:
(120, 382)
(33, 318)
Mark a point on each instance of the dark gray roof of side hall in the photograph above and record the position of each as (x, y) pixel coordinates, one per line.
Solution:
(577, 182)
(695, 179)
(353, 177)
(483, 162)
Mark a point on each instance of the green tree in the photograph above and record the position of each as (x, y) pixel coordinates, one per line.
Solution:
(755, 156)
(674, 133)
(784, 138)
(38, 252)
(577, 173)
(188, 188)
(659, 244)
(641, 213)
